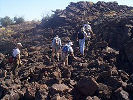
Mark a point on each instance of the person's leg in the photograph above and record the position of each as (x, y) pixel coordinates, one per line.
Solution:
(83, 46)
(63, 58)
(16, 70)
(15, 67)
(53, 54)
(66, 60)
(57, 55)
(80, 45)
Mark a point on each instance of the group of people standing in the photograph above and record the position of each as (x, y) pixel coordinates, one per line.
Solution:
(84, 34)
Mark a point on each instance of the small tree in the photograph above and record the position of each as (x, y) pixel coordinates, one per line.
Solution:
(6, 21)
(18, 20)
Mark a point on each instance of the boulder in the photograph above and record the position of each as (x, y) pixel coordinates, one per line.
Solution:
(113, 81)
(92, 98)
(120, 94)
(129, 88)
(87, 86)
(128, 51)
(3, 91)
(66, 73)
(104, 91)
(59, 88)
(13, 95)
(124, 75)
(58, 97)
(41, 94)
(84, 65)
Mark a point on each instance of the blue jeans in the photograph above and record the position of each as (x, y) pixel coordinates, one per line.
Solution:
(82, 45)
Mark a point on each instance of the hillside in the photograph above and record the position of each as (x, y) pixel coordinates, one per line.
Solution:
(105, 73)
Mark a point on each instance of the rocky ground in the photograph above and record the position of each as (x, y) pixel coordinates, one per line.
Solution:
(105, 73)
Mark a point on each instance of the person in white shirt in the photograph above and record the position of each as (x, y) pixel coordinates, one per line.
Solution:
(56, 47)
(16, 56)
(66, 51)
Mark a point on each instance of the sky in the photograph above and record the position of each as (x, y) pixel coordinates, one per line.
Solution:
(36, 9)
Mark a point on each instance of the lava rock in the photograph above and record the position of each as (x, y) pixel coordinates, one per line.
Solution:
(87, 86)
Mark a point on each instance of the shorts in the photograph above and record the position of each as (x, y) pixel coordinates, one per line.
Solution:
(64, 56)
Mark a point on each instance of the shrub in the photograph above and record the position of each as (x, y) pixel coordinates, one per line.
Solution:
(18, 20)
(6, 21)
(46, 18)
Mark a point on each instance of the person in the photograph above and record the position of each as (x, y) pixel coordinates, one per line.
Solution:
(83, 35)
(16, 58)
(66, 51)
(56, 47)
(87, 29)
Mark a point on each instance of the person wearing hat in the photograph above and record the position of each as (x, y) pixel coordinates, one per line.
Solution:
(16, 58)
(66, 51)
(84, 35)
(88, 30)
(56, 46)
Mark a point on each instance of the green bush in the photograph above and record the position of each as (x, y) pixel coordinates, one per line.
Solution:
(46, 18)
(6, 21)
(18, 20)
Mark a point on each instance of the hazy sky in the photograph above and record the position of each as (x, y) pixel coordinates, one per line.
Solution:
(35, 9)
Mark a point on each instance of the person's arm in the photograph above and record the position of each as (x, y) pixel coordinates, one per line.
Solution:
(84, 31)
(60, 43)
(18, 56)
(72, 53)
(90, 30)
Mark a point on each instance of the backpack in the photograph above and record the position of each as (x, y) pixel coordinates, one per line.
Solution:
(65, 49)
(80, 35)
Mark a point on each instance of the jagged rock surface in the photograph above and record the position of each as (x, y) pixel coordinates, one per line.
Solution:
(105, 69)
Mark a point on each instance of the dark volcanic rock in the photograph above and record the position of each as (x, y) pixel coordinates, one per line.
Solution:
(92, 98)
(99, 74)
(59, 88)
(104, 92)
(120, 94)
(87, 86)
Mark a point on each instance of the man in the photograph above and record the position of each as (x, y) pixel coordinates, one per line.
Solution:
(16, 58)
(56, 46)
(83, 35)
(66, 51)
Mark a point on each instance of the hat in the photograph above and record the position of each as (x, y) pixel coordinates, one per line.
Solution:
(19, 44)
(70, 43)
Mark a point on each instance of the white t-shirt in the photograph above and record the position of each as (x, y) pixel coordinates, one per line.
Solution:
(70, 49)
(15, 52)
